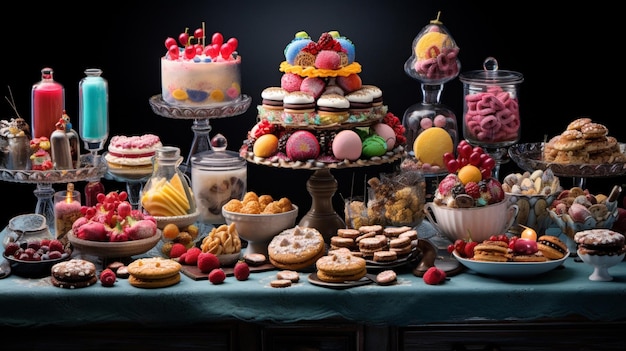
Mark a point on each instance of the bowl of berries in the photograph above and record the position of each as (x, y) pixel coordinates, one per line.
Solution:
(469, 202)
(35, 258)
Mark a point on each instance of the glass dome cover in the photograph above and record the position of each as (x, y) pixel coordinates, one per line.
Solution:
(434, 58)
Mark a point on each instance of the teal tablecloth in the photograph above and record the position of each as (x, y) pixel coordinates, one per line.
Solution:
(559, 293)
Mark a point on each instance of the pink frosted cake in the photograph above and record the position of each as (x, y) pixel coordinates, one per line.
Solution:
(199, 73)
(132, 155)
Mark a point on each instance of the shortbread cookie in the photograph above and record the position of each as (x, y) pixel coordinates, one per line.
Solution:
(411, 234)
(386, 277)
(339, 266)
(154, 283)
(578, 123)
(280, 283)
(338, 241)
(348, 233)
(296, 248)
(153, 268)
(393, 232)
(376, 228)
(293, 276)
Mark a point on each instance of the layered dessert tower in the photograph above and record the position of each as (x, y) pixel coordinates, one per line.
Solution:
(322, 113)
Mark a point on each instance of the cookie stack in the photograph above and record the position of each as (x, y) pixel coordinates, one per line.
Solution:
(340, 266)
(73, 274)
(153, 272)
(584, 142)
(296, 248)
(491, 251)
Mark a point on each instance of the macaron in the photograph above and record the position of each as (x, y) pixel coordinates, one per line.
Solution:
(551, 247)
(360, 102)
(347, 145)
(302, 145)
(377, 94)
(374, 145)
(272, 102)
(265, 146)
(387, 133)
(298, 106)
(333, 108)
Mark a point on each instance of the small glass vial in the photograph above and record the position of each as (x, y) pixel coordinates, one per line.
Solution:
(93, 101)
(47, 104)
(66, 210)
(60, 150)
(167, 193)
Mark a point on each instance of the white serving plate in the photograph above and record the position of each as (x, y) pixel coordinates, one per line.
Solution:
(510, 269)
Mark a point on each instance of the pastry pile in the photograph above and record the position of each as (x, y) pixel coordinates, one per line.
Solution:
(584, 142)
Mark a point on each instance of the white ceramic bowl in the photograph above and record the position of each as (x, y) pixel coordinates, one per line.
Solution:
(601, 265)
(481, 222)
(260, 228)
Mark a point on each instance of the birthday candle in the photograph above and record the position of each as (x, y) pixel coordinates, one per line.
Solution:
(47, 104)
(94, 110)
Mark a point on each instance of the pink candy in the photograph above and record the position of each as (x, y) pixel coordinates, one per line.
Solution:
(492, 116)
(442, 66)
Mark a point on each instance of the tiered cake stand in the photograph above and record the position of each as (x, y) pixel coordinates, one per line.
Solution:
(44, 179)
(201, 117)
(322, 186)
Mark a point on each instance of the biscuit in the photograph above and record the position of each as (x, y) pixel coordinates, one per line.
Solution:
(411, 234)
(551, 247)
(296, 248)
(376, 228)
(402, 251)
(77, 284)
(486, 256)
(339, 266)
(280, 283)
(153, 268)
(386, 277)
(122, 272)
(290, 275)
(74, 270)
(339, 241)
(529, 258)
(348, 233)
(254, 259)
(385, 256)
(577, 124)
(395, 231)
(594, 130)
(154, 283)
(400, 242)
(569, 144)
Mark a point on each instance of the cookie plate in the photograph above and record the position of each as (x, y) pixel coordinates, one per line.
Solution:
(510, 269)
(313, 279)
(371, 264)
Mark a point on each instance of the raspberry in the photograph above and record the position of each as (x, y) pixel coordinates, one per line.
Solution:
(107, 277)
(207, 262)
(217, 276)
(11, 249)
(241, 270)
(472, 189)
(434, 276)
(55, 245)
(177, 250)
(191, 257)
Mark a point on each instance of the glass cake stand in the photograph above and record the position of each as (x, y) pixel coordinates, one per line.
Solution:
(529, 157)
(201, 117)
(90, 168)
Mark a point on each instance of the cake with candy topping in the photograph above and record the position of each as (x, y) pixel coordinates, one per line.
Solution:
(200, 73)
(322, 114)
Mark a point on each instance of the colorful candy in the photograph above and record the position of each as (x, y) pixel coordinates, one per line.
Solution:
(492, 116)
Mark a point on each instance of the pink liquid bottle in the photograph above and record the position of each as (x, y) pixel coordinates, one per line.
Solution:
(47, 104)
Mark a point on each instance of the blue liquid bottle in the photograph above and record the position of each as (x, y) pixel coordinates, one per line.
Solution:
(93, 110)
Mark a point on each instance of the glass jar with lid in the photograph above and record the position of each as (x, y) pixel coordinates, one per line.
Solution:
(167, 192)
(217, 176)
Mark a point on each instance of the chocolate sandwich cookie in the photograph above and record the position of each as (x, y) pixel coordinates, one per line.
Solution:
(73, 274)
(551, 247)
(600, 242)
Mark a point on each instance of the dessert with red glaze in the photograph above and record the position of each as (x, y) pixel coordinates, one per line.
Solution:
(132, 154)
(197, 72)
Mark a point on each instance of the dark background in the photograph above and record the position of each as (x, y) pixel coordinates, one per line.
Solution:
(568, 56)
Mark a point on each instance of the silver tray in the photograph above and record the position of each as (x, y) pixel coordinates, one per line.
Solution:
(86, 171)
(529, 157)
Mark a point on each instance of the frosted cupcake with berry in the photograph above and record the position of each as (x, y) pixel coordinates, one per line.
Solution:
(197, 73)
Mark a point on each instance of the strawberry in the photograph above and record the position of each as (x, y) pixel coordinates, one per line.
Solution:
(434, 276)
(107, 277)
(242, 270)
(177, 250)
(191, 257)
(472, 189)
(217, 276)
(207, 262)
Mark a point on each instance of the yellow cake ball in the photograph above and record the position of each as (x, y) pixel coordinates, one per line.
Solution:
(431, 144)
(265, 146)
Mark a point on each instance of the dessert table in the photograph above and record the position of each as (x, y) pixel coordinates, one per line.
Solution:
(467, 298)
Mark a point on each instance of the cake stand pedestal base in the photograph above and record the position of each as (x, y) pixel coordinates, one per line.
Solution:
(322, 186)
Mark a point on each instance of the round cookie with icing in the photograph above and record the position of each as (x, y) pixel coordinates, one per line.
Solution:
(296, 248)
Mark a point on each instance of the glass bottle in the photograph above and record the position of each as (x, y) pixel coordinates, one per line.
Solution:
(72, 137)
(167, 192)
(93, 100)
(60, 147)
(92, 189)
(47, 104)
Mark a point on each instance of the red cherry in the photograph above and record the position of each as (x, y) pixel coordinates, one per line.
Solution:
(488, 163)
(212, 50)
(198, 34)
(183, 39)
(478, 149)
(486, 173)
(450, 248)
(447, 157)
(469, 249)
(453, 166)
(226, 50)
(217, 38)
(459, 246)
(199, 49)
(169, 42)
(474, 158)
(190, 52)
(174, 52)
(234, 43)
(465, 151)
